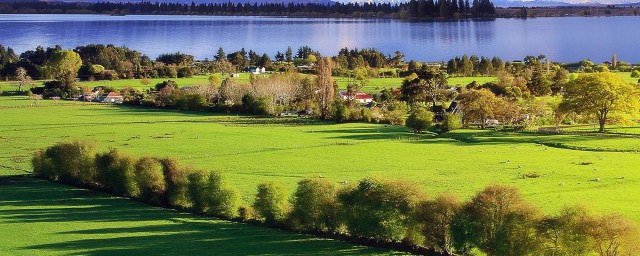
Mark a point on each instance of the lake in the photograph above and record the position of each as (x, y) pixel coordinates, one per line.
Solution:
(565, 39)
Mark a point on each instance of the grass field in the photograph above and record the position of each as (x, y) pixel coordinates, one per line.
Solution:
(374, 84)
(43, 218)
(252, 150)
(378, 84)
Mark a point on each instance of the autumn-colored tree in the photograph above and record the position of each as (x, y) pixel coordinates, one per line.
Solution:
(434, 218)
(566, 233)
(601, 94)
(477, 105)
(614, 235)
(324, 84)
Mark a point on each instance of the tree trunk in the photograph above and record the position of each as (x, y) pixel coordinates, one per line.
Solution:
(602, 121)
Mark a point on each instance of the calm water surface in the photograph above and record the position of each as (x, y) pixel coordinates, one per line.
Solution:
(561, 39)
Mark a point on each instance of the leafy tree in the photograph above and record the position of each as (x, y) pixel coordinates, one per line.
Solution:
(271, 202)
(501, 222)
(601, 94)
(478, 105)
(379, 208)
(420, 119)
(451, 122)
(566, 233)
(149, 178)
(435, 219)
(315, 206)
(116, 173)
(64, 66)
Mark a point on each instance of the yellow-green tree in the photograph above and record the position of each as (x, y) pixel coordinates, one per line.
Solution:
(477, 105)
(601, 94)
(64, 66)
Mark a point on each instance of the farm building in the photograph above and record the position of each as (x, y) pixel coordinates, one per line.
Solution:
(112, 97)
(359, 97)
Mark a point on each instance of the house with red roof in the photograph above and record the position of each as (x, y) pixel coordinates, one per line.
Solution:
(359, 97)
(112, 97)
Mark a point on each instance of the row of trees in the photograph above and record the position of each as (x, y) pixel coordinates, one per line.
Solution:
(450, 8)
(415, 8)
(497, 220)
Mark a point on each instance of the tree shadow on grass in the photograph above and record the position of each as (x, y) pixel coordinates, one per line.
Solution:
(117, 226)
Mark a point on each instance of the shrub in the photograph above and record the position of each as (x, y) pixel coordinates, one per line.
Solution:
(74, 162)
(315, 206)
(43, 166)
(209, 193)
(420, 119)
(177, 182)
(116, 173)
(635, 73)
(435, 219)
(501, 222)
(366, 114)
(246, 212)
(566, 233)
(149, 179)
(271, 202)
(379, 208)
(451, 122)
(222, 199)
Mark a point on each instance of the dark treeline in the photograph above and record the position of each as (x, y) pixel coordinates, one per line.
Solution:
(392, 214)
(413, 9)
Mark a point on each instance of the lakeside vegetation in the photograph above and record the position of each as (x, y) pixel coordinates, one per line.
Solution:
(413, 9)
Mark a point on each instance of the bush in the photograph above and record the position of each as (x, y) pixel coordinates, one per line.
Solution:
(209, 194)
(150, 181)
(378, 208)
(451, 122)
(176, 181)
(435, 219)
(315, 206)
(419, 120)
(257, 105)
(366, 114)
(271, 202)
(116, 173)
(43, 166)
(635, 73)
(501, 222)
(71, 163)
(566, 233)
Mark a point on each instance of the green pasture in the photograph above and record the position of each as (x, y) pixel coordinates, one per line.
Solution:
(598, 171)
(378, 84)
(42, 218)
(372, 84)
